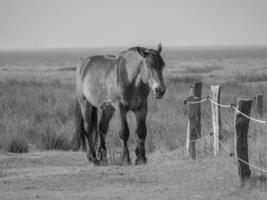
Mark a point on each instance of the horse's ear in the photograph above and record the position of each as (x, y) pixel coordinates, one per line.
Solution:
(159, 48)
(142, 51)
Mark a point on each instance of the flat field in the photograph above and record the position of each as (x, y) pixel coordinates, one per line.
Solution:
(36, 115)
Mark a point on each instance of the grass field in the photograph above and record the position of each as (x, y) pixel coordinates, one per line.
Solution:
(37, 96)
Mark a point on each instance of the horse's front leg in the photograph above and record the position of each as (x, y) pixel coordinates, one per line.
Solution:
(141, 132)
(124, 135)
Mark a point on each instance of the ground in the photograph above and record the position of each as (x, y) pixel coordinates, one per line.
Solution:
(68, 175)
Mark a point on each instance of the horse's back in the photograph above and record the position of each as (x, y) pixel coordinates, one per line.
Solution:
(96, 63)
(92, 76)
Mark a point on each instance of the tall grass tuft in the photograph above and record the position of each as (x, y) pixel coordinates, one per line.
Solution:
(18, 145)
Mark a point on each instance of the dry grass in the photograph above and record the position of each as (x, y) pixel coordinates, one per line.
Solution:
(251, 77)
(17, 145)
(207, 68)
(40, 115)
(37, 113)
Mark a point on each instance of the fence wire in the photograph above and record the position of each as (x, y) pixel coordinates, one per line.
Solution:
(232, 106)
(202, 138)
(251, 118)
(241, 160)
(230, 153)
(228, 125)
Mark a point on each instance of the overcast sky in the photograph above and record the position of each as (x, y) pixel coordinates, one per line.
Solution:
(94, 23)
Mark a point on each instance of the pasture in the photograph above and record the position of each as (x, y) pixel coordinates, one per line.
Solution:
(36, 116)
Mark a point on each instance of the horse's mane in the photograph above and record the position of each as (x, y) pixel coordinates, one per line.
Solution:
(110, 55)
(153, 54)
(135, 48)
(153, 51)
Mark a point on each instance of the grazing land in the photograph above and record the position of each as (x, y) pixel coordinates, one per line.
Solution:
(36, 116)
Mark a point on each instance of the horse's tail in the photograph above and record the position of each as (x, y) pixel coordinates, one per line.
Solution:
(78, 138)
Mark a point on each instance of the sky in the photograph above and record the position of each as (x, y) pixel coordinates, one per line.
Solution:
(30, 24)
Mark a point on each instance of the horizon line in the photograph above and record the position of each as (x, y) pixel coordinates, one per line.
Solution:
(128, 46)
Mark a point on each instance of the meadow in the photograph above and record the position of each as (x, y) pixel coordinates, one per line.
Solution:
(37, 120)
(37, 97)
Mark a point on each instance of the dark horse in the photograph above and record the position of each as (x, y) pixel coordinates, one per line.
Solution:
(116, 83)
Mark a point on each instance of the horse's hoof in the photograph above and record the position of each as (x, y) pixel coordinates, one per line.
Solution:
(102, 156)
(125, 159)
(126, 162)
(103, 161)
(96, 163)
(140, 160)
(93, 160)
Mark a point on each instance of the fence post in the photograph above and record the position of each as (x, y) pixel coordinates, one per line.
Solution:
(198, 93)
(215, 93)
(241, 140)
(193, 127)
(259, 105)
(198, 89)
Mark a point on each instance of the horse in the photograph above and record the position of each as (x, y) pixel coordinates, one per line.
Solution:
(116, 83)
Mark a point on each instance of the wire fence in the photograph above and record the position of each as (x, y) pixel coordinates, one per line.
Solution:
(230, 153)
(229, 106)
(228, 125)
(241, 160)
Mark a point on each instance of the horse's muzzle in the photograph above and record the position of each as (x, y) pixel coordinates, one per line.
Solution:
(159, 92)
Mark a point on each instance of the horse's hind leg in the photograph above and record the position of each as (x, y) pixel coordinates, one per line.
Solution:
(89, 113)
(78, 138)
(141, 132)
(105, 118)
(124, 135)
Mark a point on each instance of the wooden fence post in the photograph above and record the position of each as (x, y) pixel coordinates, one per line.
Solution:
(197, 90)
(259, 105)
(241, 140)
(215, 93)
(193, 127)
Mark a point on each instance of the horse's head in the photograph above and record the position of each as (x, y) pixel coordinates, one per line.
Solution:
(152, 70)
